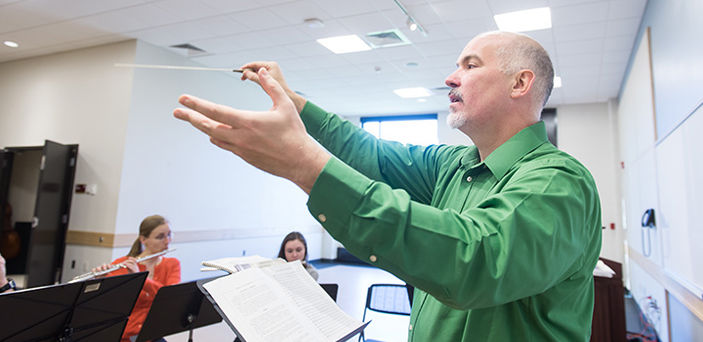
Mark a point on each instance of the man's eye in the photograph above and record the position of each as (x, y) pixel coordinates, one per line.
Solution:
(471, 66)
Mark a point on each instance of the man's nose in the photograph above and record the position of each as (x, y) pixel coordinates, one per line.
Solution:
(452, 81)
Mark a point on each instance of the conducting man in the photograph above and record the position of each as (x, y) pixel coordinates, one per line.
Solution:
(500, 239)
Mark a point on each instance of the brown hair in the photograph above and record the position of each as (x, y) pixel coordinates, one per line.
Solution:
(290, 237)
(145, 228)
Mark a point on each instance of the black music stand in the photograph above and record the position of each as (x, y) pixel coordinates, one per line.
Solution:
(175, 309)
(90, 310)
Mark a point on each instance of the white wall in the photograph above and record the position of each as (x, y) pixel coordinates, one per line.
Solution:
(173, 169)
(76, 97)
(170, 168)
(588, 133)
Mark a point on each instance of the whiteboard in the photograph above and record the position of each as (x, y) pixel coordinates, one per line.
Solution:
(680, 187)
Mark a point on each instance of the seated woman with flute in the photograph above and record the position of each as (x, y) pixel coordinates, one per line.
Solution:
(154, 238)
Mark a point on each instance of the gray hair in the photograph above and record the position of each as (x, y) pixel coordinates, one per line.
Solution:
(523, 52)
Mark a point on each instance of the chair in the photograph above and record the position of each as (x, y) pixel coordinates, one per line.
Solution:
(387, 298)
(331, 290)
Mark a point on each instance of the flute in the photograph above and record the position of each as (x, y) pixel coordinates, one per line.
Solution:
(91, 275)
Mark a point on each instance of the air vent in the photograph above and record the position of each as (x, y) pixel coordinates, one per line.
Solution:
(386, 38)
(189, 50)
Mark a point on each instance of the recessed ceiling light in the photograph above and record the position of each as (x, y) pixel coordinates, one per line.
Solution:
(557, 82)
(11, 44)
(314, 23)
(523, 21)
(344, 44)
(413, 92)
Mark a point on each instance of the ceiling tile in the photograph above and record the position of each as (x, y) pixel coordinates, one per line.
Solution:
(219, 26)
(618, 42)
(54, 34)
(619, 27)
(168, 35)
(626, 9)
(296, 12)
(467, 29)
(461, 10)
(363, 57)
(16, 16)
(579, 60)
(441, 47)
(332, 28)
(616, 56)
(578, 32)
(345, 8)
(573, 15)
(310, 48)
(229, 6)
(186, 9)
(580, 47)
(504, 6)
(129, 19)
(63, 10)
(560, 3)
(405, 52)
(365, 23)
(258, 19)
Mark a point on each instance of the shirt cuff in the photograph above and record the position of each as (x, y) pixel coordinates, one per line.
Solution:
(313, 117)
(337, 192)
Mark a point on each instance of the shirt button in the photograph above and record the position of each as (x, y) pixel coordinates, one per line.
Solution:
(322, 218)
(469, 179)
(373, 258)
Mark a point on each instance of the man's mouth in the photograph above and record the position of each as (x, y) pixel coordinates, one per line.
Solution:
(454, 96)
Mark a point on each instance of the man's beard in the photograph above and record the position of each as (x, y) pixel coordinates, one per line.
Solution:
(456, 119)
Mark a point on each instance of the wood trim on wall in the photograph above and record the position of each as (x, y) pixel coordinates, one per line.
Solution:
(110, 240)
(686, 297)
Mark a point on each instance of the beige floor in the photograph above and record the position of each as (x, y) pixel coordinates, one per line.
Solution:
(353, 282)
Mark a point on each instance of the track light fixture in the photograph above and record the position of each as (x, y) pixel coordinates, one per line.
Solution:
(412, 23)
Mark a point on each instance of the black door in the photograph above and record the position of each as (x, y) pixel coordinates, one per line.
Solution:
(6, 248)
(51, 211)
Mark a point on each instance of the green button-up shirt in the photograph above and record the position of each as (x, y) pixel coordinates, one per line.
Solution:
(499, 250)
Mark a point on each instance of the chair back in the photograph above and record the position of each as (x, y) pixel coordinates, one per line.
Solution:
(331, 290)
(388, 298)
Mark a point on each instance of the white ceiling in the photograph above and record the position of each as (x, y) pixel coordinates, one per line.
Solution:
(589, 43)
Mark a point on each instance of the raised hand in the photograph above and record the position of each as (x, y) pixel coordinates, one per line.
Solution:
(249, 72)
(274, 141)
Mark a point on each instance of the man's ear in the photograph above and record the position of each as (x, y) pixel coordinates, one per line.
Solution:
(523, 82)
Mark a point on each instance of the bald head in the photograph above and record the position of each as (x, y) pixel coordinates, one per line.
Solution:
(516, 52)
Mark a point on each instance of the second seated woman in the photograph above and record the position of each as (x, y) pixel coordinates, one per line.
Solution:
(295, 248)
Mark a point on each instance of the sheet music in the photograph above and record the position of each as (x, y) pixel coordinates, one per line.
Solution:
(280, 303)
(261, 312)
(313, 300)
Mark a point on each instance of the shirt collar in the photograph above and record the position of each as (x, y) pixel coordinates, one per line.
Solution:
(500, 160)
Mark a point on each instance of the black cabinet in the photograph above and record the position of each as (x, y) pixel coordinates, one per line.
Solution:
(36, 184)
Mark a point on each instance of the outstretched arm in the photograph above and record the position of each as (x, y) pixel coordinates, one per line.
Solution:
(274, 141)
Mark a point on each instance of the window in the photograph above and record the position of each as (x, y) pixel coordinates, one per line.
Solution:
(406, 129)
